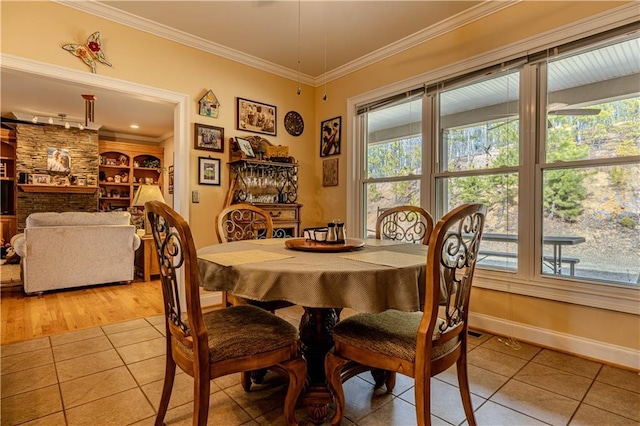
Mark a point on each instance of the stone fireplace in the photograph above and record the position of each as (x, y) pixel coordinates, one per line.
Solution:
(33, 143)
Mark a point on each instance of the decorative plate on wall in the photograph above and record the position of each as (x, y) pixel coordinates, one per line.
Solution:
(293, 123)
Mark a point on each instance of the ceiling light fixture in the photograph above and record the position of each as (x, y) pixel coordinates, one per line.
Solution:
(135, 126)
(324, 18)
(89, 108)
(299, 89)
(324, 96)
(62, 119)
(59, 120)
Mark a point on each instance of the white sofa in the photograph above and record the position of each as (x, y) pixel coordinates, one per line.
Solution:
(74, 249)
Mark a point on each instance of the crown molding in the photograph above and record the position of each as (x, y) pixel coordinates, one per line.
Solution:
(134, 137)
(108, 12)
(164, 31)
(451, 24)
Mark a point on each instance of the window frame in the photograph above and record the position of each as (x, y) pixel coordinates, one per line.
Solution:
(528, 279)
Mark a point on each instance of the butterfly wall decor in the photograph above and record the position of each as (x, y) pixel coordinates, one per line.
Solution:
(90, 52)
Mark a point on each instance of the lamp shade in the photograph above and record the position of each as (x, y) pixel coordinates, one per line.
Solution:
(144, 194)
(147, 193)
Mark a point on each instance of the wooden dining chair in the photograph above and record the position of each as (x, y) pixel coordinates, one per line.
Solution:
(404, 223)
(239, 222)
(417, 344)
(220, 342)
(243, 222)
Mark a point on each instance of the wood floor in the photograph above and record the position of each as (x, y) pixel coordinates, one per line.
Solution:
(27, 317)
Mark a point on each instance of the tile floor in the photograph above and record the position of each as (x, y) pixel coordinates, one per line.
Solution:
(112, 375)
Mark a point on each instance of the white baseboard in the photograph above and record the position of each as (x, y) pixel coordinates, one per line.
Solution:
(588, 348)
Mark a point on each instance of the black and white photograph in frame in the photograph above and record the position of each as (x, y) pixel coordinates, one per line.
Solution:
(208, 171)
(330, 137)
(256, 117)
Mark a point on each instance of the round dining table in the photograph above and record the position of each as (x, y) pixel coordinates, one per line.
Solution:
(377, 276)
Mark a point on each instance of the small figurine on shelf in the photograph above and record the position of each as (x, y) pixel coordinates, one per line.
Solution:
(123, 160)
(115, 193)
(135, 163)
(124, 177)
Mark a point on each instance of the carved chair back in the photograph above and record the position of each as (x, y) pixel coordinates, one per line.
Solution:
(451, 262)
(404, 223)
(243, 222)
(176, 253)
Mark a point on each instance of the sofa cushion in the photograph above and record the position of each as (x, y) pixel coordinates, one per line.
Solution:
(78, 219)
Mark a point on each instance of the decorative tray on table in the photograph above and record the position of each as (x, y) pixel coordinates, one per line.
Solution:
(303, 244)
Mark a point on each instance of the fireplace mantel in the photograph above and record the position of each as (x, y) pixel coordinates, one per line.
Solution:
(59, 189)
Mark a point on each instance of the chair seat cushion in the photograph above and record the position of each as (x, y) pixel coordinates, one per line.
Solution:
(240, 331)
(392, 333)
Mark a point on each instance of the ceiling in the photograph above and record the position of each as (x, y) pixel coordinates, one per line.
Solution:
(259, 33)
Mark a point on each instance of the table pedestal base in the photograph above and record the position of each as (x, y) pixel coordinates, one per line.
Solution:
(315, 334)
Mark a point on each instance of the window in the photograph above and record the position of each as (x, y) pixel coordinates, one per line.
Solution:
(549, 143)
(393, 158)
(479, 157)
(590, 169)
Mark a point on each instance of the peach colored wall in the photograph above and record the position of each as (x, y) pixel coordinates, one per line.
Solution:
(590, 323)
(37, 30)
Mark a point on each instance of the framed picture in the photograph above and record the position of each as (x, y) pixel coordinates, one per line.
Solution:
(330, 137)
(81, 180)
(92, 180)
(39, 179)
(209, 138)
(256, 117)
(245, 146)
(170, 179)
(208, 171)
(58, 161)
(330, 172)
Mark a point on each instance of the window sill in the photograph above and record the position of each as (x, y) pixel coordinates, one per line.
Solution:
(604, 296)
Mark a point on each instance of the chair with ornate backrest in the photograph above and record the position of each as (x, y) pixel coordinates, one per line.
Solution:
(404, 223)
(418, 344)
(245, 222)
(219, 342)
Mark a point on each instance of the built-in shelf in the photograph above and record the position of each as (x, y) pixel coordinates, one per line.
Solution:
(59, 189)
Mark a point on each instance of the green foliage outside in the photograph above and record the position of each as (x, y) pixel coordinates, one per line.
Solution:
(614, 132)
(397, 158)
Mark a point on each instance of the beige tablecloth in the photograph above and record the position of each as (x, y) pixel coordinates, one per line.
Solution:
(320, 280)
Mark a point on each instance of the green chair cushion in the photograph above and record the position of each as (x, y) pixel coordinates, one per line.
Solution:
(392, 333)
(239, 331)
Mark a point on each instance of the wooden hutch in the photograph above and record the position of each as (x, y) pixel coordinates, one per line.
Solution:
(266, 181)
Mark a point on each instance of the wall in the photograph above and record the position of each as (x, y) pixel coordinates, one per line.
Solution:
(31, 157)
(37, 30)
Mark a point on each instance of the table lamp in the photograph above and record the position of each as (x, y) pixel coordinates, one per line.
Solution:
(143, 194)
